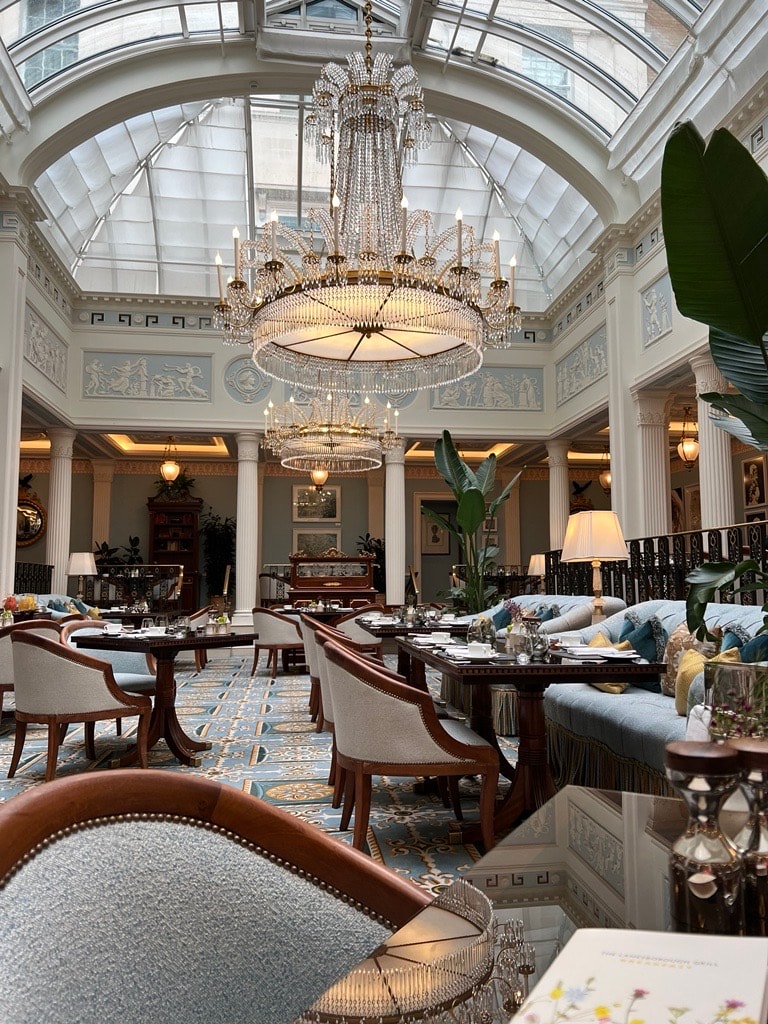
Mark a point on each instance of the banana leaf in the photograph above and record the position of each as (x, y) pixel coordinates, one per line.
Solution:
(750, 419)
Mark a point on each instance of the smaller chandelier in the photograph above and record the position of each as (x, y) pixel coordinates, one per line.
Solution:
(329, 438)
(169, 467)
(688, 446)
(604, 477)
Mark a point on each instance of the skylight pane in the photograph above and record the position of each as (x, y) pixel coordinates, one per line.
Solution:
(110, 35)
(205, 17)
(441, 37)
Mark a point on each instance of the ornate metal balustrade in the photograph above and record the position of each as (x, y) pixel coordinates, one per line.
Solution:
(658, 566)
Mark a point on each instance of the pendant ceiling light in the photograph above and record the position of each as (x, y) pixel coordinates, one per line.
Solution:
(329, 438)
(688, 446)
(169, 467)
(604, 476)
(373, 300)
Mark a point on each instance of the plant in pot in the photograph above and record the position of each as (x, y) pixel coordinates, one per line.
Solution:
(475, 506)
(175, 490)
(217, 534)
(714, 205)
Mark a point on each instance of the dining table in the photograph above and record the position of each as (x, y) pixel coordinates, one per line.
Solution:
(164, 648)
(531, 778)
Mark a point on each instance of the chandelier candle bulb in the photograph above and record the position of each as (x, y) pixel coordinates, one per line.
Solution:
(236, 245)
(220, 276)
(335, 204)
(496, 263)
(458, 234)
(403, 222)
(512, 265)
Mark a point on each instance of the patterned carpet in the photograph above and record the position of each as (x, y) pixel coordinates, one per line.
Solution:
(264, 744)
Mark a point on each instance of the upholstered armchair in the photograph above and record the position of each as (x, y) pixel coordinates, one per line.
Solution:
(383, 726)
(55, 685)
(38, 627)
(348, 624)
(276, 633)
(198, 620)
(121, 864)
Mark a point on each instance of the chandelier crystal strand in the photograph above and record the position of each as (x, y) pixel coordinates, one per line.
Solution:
(352, 307)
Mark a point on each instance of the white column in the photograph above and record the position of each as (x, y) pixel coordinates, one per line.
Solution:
(375, 481)
(247, 538)
(653, 490)
(394, 524)
(510, 515)
(715, 465)
(103, 473)
(13, 284)
(559, 492)
(59, 505)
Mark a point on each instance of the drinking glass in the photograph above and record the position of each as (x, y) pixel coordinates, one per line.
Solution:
(181, 625)
(147, 623)
(161, 621)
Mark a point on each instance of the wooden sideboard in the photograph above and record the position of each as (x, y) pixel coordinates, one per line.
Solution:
(332, 576)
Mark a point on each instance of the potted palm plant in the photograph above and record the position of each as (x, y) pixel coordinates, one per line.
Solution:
(473, 492)
(714, 206)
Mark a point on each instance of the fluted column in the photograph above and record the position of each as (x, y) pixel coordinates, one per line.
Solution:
(559, 492)
(715, 464)
(59, 506)
(13, 284)
(510, 514)
(247, 535)
(653, 490)
(375, 481)
(394, 524)
(103, 474)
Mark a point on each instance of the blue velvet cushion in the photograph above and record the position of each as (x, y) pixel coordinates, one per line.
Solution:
(58, 606)
(545, 613)
(650, 641)
(734, 636)
(501, 619)
(81, 606)
(755, 649)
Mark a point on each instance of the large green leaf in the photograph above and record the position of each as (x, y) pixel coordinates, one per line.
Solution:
(452, 467)
(741, 363)
(486, 474)
(714, 206)
(470, 514)
(754, 416)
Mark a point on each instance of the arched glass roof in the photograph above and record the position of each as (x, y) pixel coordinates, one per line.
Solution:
(145, 204)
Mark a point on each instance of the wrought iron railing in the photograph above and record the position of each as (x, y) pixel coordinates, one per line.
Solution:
(658, 566)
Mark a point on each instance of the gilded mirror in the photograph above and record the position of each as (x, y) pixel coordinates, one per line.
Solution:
(31, 521)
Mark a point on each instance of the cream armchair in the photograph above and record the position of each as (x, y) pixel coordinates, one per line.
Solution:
(37, 627)
(55, 685)
(276, 633)
(383, 726)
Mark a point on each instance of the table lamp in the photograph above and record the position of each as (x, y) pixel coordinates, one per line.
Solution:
(81, 563)
(538, 567)
(594, 537)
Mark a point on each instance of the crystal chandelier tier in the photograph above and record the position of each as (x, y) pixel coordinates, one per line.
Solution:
(328, 438)
(351, 307)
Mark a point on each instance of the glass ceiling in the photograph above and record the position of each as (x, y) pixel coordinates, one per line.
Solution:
(144, 205)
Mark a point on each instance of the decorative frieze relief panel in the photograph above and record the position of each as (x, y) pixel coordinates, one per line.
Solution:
(151, 321)
(45, 350)
(600, 850)
(494, 389)
(146, 376)
(657, 304)
(582, 367)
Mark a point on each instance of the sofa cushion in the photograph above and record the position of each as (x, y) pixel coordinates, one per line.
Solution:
(681, 640)
(755, 649)
(734, 635)
(691, 664)
(649, 640)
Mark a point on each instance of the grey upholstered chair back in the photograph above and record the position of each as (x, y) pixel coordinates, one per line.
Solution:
(47, 684)
(41, 627)
(324, 669)
(217, 908)
(132, 663)
(352, 628)
(274, 628)
(310, 647)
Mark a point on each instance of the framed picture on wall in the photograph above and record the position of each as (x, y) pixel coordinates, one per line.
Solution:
(312, 506)
(755, 515)
(491, 524)
(692, 507)
(315, 542)
(753, 478)
(435, 540)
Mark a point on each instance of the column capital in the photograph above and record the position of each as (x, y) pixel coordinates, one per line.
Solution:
(708, 377)
(62, 441)
(103, 471)
(557, 453)
(248, 446)
(395, 456)
(652, 408)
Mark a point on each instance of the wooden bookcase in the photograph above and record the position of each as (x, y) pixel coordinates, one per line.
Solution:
(174, 539)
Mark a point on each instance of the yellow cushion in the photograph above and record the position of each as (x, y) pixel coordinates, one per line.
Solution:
(93, 613)
(680, 640)
(601, 640)
(691, 663)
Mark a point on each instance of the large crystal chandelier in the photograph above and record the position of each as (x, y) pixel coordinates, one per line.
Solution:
(329, 438)
(351, 307)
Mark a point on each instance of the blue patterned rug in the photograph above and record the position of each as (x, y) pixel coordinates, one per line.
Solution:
(264, 744)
